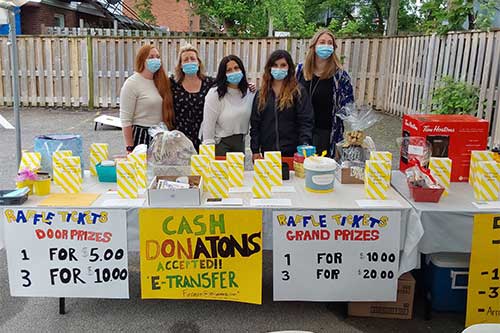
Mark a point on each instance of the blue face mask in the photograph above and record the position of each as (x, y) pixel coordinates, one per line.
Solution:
(324, 51)
(235, 77)
(153, 65)
(190, 68)
(279, 74)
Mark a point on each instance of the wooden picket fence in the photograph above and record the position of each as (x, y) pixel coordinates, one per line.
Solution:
(396, 75)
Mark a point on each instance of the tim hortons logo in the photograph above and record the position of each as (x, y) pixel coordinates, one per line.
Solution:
(438, 129)
(410, 124)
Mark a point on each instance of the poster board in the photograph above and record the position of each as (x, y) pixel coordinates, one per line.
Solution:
(66, 253)
(201, 254)
(336, 255)
(483, 293)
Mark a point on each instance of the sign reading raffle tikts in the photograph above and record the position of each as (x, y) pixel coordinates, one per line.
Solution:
(336, 255)
(201, 254)
(66, 253)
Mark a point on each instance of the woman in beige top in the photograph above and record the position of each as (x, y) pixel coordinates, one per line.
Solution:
(145, 98)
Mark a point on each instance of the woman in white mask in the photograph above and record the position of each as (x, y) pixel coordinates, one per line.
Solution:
(145, 98)
(329, 88)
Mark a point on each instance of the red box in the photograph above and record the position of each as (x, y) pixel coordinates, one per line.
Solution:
(453, 136)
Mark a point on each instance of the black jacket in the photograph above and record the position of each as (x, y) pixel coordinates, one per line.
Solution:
(295, 125)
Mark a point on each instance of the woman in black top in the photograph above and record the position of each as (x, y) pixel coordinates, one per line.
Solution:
(282, 116)
(189, 87)
(329, 88)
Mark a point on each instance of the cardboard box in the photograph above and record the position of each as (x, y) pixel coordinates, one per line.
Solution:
(453, 136)
(347, 176)
(401, 309)
(175, 198)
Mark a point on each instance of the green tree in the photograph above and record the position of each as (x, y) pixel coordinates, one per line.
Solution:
(251, 17)
(362, 17)
(144, 11)
(452, 15)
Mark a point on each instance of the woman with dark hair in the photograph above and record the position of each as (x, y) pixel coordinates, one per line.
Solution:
(145, 98)
(282, 116)
(227, 109)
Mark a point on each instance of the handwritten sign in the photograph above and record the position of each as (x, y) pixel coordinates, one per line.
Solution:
(201, 254)
(60, 253)
(483, 294)
(336, 255)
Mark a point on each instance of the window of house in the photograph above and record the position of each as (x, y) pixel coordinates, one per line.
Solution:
(59, 20)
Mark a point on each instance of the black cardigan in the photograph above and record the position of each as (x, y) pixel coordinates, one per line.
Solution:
(295, 125)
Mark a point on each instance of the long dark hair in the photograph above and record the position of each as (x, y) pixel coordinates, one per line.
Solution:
(221, 80)
(290, 87)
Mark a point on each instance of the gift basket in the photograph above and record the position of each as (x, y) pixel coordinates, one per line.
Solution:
(352, 153)
(169, 152)
(422, 184)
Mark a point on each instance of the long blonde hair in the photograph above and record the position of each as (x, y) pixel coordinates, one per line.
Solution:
(290, 88)
(333, 62)
(162, 83)
(179, 74)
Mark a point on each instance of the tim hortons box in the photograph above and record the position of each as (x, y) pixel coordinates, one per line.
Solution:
(452, 136)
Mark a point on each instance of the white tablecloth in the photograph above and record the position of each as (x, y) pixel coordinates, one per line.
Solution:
(448, 223)
(342, 198)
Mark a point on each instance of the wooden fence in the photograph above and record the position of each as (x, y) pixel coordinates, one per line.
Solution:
(396, 75)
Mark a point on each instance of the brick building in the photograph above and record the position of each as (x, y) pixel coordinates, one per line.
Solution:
(59, 13)
(172, 14)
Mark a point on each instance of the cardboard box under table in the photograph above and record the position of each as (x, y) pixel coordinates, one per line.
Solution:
(175, 198)
(402, 308)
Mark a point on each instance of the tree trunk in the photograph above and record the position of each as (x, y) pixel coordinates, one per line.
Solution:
(380, 17)
(392, 25)
(270, 25)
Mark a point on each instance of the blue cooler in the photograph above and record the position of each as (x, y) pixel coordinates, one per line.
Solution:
(447, 276)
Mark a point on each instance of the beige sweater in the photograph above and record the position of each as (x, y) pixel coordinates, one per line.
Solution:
(140, 102)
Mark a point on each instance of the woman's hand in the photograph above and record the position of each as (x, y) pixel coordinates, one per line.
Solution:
(252, 87)
(257, 156)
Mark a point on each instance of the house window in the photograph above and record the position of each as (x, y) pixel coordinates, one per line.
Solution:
(59, 20)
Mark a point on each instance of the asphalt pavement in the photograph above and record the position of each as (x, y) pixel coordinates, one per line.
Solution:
(132, 315)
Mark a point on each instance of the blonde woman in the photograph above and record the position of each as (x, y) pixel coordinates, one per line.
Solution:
(329, 88)
(145, 98)
(190, 85)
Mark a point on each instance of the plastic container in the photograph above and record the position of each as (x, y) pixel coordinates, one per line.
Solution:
(420, 194)
(320, 174)
(106, 174)
(309, 150)
(25, 183)
(446, 276)
(41, 187)
(13, 200)
(298, 165)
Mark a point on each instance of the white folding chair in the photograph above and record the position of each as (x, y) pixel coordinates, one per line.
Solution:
(483, 328)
